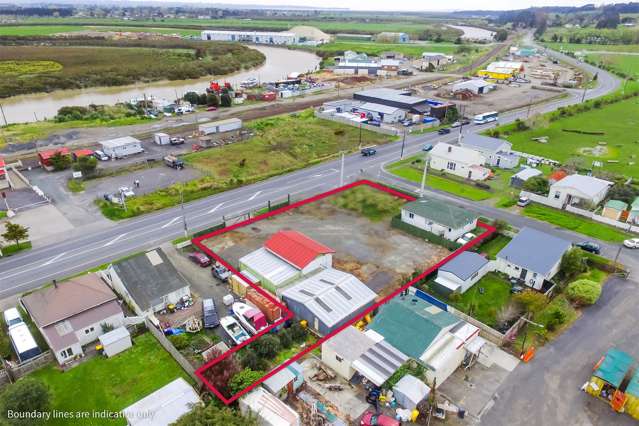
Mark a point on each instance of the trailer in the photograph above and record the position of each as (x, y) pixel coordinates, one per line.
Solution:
(220, 126)
(161, 138)
(23, 343)
(122, 147)
(173, 162)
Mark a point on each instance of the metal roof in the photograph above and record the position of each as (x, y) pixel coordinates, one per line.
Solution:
(464, 265)
(331, 295)
(350, 343)
(384, 109)
(534, 250)
(458, 153)
(633, 386)
(587, 185)
(440, 212)
(270, 266)
(391, 95)
(164, 406)
(617, 205)
(295, 247)
(379, 362)
(526, 173)
(614, 366)
(279, 380)
(114, 335)
(480, 142)
(410, 324)
(118, 142)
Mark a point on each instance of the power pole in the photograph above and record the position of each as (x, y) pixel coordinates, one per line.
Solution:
(583, 96)
(186, 229)
(360, 135)
(123, 198)
(341, 171)
(401, 155)
(421, 189)
(3, 116)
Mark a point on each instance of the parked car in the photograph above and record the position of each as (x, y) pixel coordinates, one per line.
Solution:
(112, 198)
(516, 289)
(200, 259)
(523, 201)
(126, 191)
(589, 246)
(211, 108)
(466, 238)
(176, 141)
(371, 419)
(100, 156)
(367, 152)
(443, 131)
(220, 272)
(632, 243)
(427, 147)
(209, 314)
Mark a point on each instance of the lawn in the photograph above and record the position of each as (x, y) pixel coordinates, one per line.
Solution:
(12, 249)
(626, 64)
(411, 170)
(370, 203)
(37, 30)
(618, 121)
(575, 47)
(111, 384)
(485, 306)
(575, 223)
(494, 245)
(281, 145)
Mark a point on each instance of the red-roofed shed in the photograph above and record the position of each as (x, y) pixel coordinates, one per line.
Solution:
(82, 153)
(556, 176)
(299, 250)
(45, 156)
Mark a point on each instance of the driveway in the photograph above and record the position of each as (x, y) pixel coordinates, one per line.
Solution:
(549, 386)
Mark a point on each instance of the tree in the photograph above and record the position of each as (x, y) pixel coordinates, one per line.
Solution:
(243, 379)
(625, 193)
(87, 165)
(25, 395)
(254, 362)
(15, 232)
(451, 114)
(201, 100)
(212, 100)
(573, 263)
(220, 373)
(266, 346)
(60, 161)
(210, 415)
(297, 332)
(537, 184)
(285, 338)
(192, 98)
(583, 292)
(532, 301)
(501, 35)
(225, 100)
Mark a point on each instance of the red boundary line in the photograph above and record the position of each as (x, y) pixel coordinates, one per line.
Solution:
(287, 314)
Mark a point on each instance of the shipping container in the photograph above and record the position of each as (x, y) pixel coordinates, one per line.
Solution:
(220, 126)
(270, 309)
(161, 138)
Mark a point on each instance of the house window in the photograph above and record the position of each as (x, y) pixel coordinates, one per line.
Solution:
(67, 353)
(534, 274)
(411, 215)
(339, 358)
(557, 195)
(472, 277)
(451, 165)
(89, 330)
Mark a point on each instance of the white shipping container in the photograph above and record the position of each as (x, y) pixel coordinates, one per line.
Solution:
(161, 138)
(122, 147)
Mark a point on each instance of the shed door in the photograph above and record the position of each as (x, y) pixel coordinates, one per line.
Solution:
(316, 324)
(523, 274)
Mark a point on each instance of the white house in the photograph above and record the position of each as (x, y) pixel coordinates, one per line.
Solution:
(577, 188)
(459, 161)
(71, 314)
(164, 406)
(439, 218)
(148, 282)
(383, 113)
(532, 257)
(498, 152)
(460, 273)
(258, 37)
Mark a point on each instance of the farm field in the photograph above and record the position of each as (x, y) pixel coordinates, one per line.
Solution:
(115, 66)
(574, 47)
(281, 144)
(618, 122)
(627, 64)
(111, 384)
(44, 30)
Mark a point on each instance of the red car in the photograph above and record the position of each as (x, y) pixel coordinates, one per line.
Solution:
(199, 259)
(211, 108)
(372, 419)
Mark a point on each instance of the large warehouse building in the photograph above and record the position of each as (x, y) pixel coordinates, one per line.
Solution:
(257, 37)
(394, 98)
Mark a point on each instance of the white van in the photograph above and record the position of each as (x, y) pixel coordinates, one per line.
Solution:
(12, 317)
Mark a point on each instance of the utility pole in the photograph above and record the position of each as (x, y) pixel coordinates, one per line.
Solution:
(3, 116)
(529, 106)
(421, 189)
(360, 135)
(401, 155)
(123, 198)
(186, 229)
(341, 171)
(583, 96)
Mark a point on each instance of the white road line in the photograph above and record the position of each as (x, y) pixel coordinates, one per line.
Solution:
(254, 196)
(216, 207)
(113, 241)
(171, 222)
(49, 262)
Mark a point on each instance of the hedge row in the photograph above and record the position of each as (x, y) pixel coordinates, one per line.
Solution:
(396, 222)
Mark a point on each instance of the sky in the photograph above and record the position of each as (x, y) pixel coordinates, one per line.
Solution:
(415, 5)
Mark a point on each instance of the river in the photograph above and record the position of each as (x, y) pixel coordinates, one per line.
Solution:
(278, 64)
(474, 33)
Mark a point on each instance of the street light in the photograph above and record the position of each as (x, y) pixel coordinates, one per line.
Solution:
(186, 229)
(426, 161)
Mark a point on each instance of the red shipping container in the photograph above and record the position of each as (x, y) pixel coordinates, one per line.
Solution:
(270, 309)
(269, 96)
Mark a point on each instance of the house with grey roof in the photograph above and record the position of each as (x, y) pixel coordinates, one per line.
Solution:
(576, 188)
(148, 282)
(383, 113)
(518, 179)
(439, 218)
(462, 272)
(340, 351)
(532, 256)
(328, 299)
(498, 152)
(459, 161)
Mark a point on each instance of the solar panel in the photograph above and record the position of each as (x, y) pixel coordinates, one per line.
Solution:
(326, 281)
(323, 305)
(341, 291)
(306, 292)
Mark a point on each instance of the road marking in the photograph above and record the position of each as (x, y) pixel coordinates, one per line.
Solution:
(216, 207)
(171, 222)
(326, 173)
(49, 262)
(254, 196)
(113, 241)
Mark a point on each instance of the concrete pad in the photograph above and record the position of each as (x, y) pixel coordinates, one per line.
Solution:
(43, 223)
(491, 354)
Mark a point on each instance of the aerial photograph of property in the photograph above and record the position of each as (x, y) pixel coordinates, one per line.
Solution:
(279, 213)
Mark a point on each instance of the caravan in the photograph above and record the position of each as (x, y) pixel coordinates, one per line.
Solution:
(24, 345)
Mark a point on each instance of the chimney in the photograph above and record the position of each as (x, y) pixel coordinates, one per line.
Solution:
(55, 283)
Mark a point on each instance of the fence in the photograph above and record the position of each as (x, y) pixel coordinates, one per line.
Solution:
(542, 199)
(598, 218)
(384, 130)
(24, 368)
(168, 346)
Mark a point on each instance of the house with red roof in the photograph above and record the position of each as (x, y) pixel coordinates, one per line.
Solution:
(556, 176)
(286, 257)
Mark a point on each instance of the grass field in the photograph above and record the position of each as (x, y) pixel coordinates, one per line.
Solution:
(111, 384)
(89, 66)
(44, 30)
(485, 305)
(370, 203)
(575, 47)
(627, 64)
(405, 170)
(494, 245)
(281, 144)
(606, 36)
(618, 121)
(575, 223)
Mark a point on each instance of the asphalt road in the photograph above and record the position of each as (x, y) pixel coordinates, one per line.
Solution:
(80, 252)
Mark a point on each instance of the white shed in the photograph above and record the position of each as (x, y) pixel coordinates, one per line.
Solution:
(121, 147)
(115, 341)
(161, 138)
(410, 391)
(164, 406)
(268, 409)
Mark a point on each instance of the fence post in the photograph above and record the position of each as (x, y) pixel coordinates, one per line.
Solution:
(269, 205)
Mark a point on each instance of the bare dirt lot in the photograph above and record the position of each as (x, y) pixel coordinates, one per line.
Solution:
(380, 256)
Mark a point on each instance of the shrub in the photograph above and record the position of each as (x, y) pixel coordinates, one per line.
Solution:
(180, 341)
(297, 332)
(537, 184)
(531, 300)
(266, 346)
(254, 362)
(285, 338)
(573, 262)
(26, 395)
(583, 292)
(243, 379)
(553, 317)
